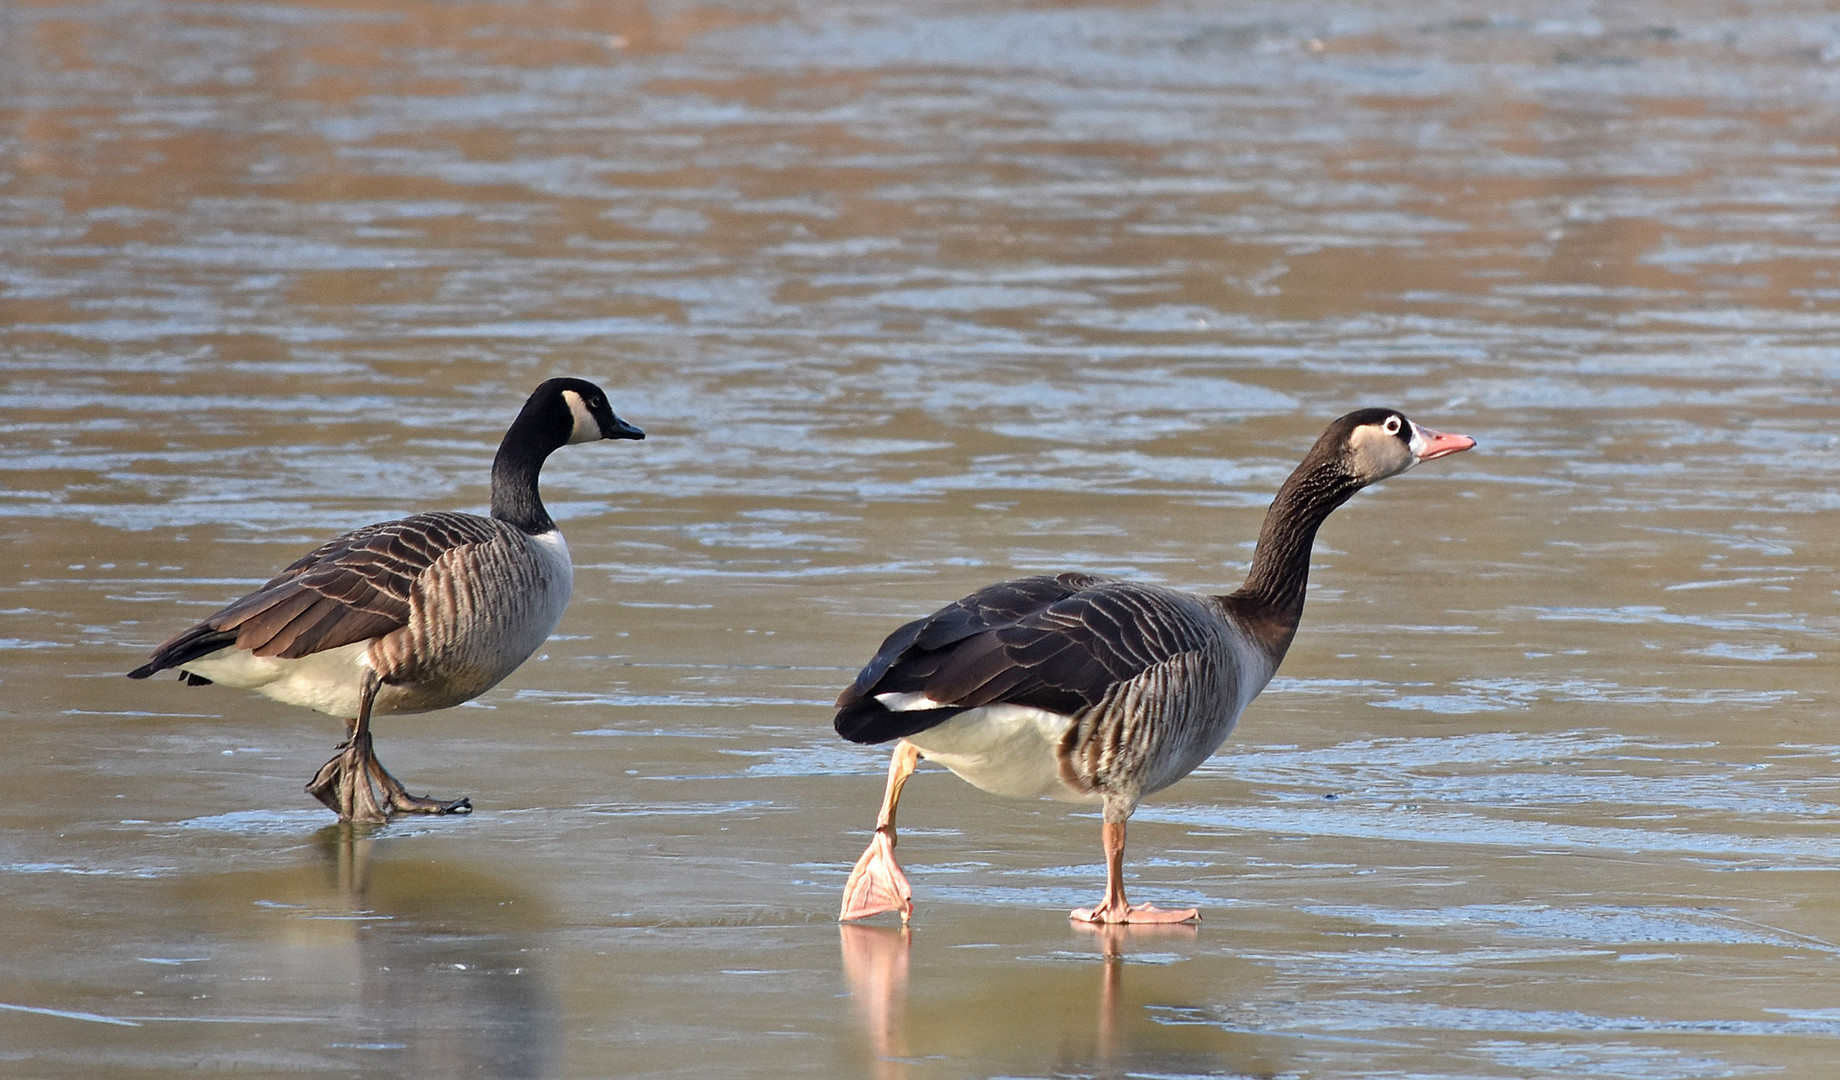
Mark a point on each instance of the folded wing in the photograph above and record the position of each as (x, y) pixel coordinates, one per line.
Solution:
(1058, 643)
(350, 589)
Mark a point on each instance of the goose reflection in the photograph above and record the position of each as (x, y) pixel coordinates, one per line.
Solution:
(1112, 939)
(875, 969)
(1078, 1014)
(382, 961)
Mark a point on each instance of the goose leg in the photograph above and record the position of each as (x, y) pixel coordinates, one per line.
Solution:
(1114, 908)
(343, 783)
(876, 882)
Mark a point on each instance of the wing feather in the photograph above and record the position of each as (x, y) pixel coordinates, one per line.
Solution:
(353, 588)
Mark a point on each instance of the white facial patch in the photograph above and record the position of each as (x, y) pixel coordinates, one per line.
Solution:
(1378, 453)
(1418, 442)
(587, 428)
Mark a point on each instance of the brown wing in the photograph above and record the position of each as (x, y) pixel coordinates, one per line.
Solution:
(350, 589)
(1055, 643)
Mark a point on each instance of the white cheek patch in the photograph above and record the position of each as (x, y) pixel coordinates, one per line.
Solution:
(587, 428)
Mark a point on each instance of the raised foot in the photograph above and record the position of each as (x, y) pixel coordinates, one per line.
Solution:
(1133, 913)
(877, 884)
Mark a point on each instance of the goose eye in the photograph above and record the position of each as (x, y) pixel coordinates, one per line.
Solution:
(1392, 425)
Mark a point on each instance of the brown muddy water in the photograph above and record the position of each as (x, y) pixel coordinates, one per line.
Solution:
(910, 298)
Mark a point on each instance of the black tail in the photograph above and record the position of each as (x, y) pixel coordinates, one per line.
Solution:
(867, 720)
(199, 641)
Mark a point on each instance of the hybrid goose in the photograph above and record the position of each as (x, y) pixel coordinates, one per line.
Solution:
(1091, 689)
(407, 616)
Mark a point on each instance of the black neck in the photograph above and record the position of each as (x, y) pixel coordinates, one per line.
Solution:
(1270, 601)
(533, 436)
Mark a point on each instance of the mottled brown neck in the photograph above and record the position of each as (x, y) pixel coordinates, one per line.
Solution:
(1270, 602)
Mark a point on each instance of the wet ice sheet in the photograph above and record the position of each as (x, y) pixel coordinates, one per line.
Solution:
(911, 298)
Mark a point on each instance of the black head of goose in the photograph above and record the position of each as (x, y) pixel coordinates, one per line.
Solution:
(1092, 689)
(409, 615)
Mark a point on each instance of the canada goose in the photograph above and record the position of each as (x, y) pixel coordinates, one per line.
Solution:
(407, 616)
(1091, 689)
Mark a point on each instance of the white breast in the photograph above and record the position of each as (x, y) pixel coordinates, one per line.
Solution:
(554, 551)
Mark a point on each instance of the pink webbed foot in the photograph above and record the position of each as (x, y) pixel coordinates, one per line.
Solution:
(1109, 913)
(877, 884)
(1114, 908)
